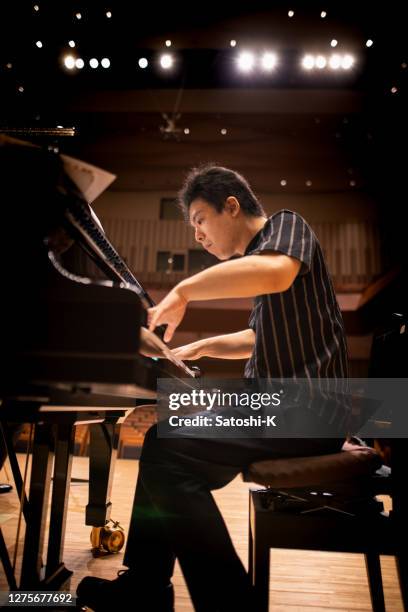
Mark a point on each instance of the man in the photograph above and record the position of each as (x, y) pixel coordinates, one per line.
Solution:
(295, 331)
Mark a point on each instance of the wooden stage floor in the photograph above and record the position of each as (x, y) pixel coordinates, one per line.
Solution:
(300, 581)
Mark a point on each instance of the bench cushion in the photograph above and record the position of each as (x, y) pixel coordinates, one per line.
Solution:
(305, 471)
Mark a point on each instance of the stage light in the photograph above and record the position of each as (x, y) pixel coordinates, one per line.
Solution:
(321, 62)
(352, 183)
(369, 43)
(21, 89)
(36, 8)
(308, 62)
(233, 43)
(335, 61)
(323, 14)
(72, 43)
(308, 183)
(69, 62)
(108, 14)
(283, 183)
(246, 61)
(347, 62)
(223, 131)
(394, 90)
(39, 44)
(105, 62)
(186, 131)
(334, 43)
(78, 16)
(143, 63)
(79, 63)
(269, 61)
(291, 13)
(93, 62)
(168, 43)
(166, 61)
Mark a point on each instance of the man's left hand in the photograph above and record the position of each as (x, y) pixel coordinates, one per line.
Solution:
(170, 311)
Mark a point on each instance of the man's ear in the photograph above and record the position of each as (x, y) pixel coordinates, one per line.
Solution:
(232, 205)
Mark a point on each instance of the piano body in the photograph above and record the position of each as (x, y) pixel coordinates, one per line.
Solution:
(70, 348)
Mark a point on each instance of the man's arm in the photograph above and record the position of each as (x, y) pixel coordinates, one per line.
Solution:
(238, 345)
(244, 277)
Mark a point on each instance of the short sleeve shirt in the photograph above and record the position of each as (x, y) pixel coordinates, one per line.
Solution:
(299, 332)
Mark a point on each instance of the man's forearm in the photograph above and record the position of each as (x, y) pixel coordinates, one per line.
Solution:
(244, 277)
(229, 346)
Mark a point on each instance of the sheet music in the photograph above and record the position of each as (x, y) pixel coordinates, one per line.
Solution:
(91, 180)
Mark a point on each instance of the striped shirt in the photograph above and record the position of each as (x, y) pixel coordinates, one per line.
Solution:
(299, 332)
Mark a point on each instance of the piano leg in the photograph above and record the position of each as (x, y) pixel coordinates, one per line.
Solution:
(49, 441)
(102, 456)
(64, 449)
(38, 503)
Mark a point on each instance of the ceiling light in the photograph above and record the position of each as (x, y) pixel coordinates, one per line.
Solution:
(246, 61)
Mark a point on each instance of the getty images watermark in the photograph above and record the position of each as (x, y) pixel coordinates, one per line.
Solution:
(303, 408)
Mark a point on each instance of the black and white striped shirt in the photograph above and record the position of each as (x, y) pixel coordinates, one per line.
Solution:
(299, 332)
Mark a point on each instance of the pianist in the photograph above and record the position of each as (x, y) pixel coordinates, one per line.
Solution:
(295, 330)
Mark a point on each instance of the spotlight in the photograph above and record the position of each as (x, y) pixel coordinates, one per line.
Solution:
(334, 42)
(71, 43)
(283, 183)
(69, 62)
(93, 62)
(108, 14)
(78, 16)
(166, 61)
(308, 183)
(269, 61)
(347, 61)
(335, 61)
(233, 43)
(291, 13)
(308, 62)
(223, 131)
(21, 89)
(323, 14)
(168, 43)
(105, 62)
(321, 62)
(394, 90)
(246, 61)
(39, 44)
(186, 131)
(79, 63)
(143, 63)
(36, 8)
(369, 43)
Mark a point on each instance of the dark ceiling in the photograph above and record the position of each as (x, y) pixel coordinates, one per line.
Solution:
(318, 131)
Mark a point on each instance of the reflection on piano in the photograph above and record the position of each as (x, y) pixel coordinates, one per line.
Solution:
(71, 346)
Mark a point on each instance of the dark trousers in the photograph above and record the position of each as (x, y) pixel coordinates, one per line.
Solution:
(175, 516)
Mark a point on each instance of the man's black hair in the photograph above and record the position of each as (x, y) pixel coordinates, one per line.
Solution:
(215, 184)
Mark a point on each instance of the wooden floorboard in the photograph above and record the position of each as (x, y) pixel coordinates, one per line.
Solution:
(300, 580)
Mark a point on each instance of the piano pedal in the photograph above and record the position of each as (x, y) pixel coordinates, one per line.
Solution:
(108, 539)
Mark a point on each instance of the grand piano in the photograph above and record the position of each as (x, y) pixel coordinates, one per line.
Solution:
(72, 345)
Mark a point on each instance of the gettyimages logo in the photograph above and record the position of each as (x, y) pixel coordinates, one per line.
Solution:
(207, 400)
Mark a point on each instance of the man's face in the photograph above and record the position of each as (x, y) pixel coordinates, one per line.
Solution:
(214, 230)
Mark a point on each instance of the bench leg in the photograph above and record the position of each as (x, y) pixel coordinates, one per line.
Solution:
(258, 566)
(375, 584)
(402, 567)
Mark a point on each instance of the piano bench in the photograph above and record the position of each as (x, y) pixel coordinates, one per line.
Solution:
(324, 503)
